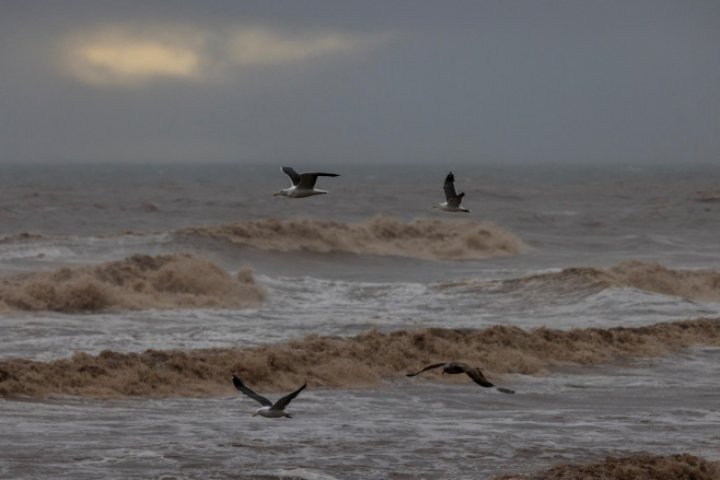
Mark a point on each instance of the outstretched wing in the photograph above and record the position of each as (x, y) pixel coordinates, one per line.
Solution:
(283, 402)
(453, 199)
(477, 376)
(449, 186)
(429, 367)
(307, 180)
(294, 176)
(247, 391)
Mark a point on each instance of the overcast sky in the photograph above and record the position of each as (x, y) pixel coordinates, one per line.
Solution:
(320, 82)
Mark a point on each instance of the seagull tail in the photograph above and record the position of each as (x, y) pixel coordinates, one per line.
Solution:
(505, 390)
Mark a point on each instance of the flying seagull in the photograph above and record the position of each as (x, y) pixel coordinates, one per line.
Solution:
(302, 184)
(458, 367)
(268, 409)
(453, 200)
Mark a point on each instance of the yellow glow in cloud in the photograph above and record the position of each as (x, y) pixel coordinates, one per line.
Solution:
(125, 57)
(130, 56)
(260, 46)
(141, 59)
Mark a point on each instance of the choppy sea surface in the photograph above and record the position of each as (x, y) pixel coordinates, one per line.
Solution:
(52, 217)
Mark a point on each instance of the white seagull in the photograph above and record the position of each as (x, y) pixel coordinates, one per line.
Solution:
(302, 184)
(453, 200)
(268, 409)
(474, 373)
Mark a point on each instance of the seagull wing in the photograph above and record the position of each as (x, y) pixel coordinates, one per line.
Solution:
(449, 187)
(455, 201)
(247, 391)
(476, 375)
(429, 367)
(283, 402)
(294, 176)
(307, 180)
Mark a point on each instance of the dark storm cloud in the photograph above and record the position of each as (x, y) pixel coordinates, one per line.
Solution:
(322, 82)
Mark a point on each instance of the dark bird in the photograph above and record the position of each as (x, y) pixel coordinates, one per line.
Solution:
(302, 184)
(453, 201)
(268, 409)
(452, 368)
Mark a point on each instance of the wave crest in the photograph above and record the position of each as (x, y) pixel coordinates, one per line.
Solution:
(421, 238)
(138, 282)
(652, 277)
(364, 360)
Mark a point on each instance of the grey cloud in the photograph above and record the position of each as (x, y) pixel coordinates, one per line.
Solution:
(459, 82)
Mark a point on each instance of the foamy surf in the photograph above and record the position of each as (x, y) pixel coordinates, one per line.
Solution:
(362, 361)
(636, 467)
(138, 282)
(380, 235)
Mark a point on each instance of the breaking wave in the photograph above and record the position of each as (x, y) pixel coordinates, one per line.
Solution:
(138, 282)
(364, 360)
(652, 277)
(636, 467)
(422, 238)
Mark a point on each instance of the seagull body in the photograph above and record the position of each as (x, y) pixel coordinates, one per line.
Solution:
(268, 409)
(453, 201)
(474, 373)
(302, 184)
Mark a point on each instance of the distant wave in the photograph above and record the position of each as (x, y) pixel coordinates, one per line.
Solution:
(422, 238)
(21, 237)
(364, 360)
(652, 277)
(637, 467)
(708, 196)
(138, 282)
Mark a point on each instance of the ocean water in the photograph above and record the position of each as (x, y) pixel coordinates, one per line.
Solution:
(356, 266)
